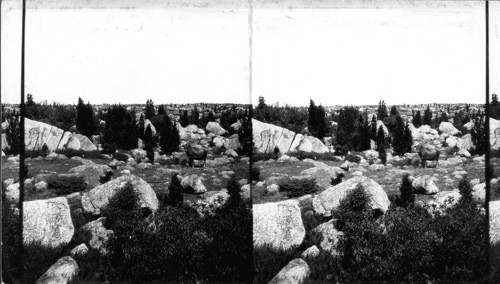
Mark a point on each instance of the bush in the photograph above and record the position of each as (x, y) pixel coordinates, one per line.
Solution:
(255, 174)
(353, 158)
(120, 156)
(406, 197)
(298, 187)
(66, 184)
(337, 179)
(301, 155)
(108, 148)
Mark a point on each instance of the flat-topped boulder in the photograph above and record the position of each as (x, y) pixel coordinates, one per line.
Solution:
(329, 199)
(99, 197)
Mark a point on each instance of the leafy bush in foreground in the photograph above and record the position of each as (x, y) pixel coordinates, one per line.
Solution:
(120, 156)
(406, 244)
(298, 187)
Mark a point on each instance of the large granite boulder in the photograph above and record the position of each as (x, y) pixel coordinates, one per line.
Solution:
(215, 128)
(278, 225)
(326, 237)
(99, 197)
(48, 222)
(448, 128)
(38, 134)
(267, 137)
(64, 271)
(322, 175)
(329, 199)
(96, 235)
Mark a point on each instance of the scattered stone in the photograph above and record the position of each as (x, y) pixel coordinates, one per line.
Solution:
(326, 236)
(79, 250)
(272, 189)
(96, 235)
(310, 252)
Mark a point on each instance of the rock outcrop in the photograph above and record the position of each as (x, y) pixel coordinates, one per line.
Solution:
(295, 272)
(38, 134)
(65, 270)
(267, 137)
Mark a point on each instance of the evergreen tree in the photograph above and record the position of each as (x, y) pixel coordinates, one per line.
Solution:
(402, 140)
(150, 109)
(245, 136)
(195, 117)
(184, 120)
(80, 115)
(131, 130)
(465, 191)
(317, 120)
(211, 116)
(149, 144)
(161, 110)
(176, 139)
(373, 128)
(234, 191)
(142, 126)
(381, 111)
(363, 129)
(478, 134)
(85, 120)
(175, 196)
(168, 142)
(381, 145)
(444, 117)
(262, 103)
(31, 108)
(394, 111)
(427, 116)
(494, 107)
(417, 119)
(119, 131)
(406, 197)
(13, 134)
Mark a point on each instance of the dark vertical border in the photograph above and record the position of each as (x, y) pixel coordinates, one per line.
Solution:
(250, 113)
(487, 154)
(22, 169)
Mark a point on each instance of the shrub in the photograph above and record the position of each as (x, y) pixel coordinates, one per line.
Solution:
(337, 179)
(108, 148)
(298, 187)
(66, 184)
(353, 158)
(255, 174)
(120, 156)
(80, 153)
(13, 134)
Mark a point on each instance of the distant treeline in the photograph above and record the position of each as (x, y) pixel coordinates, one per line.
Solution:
(351, 128)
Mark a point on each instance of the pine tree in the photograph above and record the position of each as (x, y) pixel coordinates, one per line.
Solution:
(211, 116)
(150, 109)
(13, 134)
(417, 119)
(262, 103)
(234, 191)
(168, 143)
(195, 117)
(373, 128)
(141, 129)
(394, 111)
(381, 145)
(80, 115)
(245, 136)
(148, 144)
(465, 191)
(444, 117)
(176, 139)
(381, 111)
(406, 197)
(428, 116)
(161, 110)
(312, 122)
(400, 137)
(175, 195)
(407, 139)
(184, 120)
(478, 134)
(363, 129)
(131, 129)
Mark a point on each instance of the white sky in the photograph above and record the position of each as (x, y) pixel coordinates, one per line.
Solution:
(351, 55)
(351, 52)
(174, 55)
